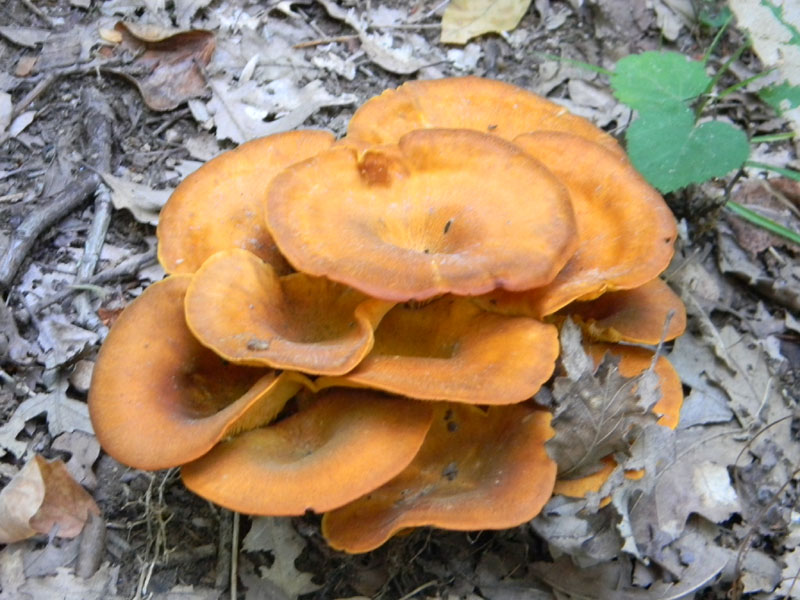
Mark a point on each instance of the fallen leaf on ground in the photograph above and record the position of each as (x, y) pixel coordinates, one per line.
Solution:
(63, 414)
(67, 586)
(43, 498)
(144, 202)
(168, 65)
(277, 536)
(61, 340)
(597, 413)
(240, 113)
(24, 36)
(466, 19)
(380, 49)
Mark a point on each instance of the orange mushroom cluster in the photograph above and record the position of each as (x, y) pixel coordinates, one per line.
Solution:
(358, 327)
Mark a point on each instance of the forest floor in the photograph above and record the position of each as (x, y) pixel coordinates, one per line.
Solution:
(91, 144)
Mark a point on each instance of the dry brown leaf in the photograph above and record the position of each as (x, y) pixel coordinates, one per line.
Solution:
(466, 19)
(168, 65)
(597, 413)
(43, 498)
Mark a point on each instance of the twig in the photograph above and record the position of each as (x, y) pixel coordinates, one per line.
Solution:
(330, 40)
(125, 269)
(22, 240)
(35, 92)
(235, 556)
(38, 12)
(98, 131)
(225, 542)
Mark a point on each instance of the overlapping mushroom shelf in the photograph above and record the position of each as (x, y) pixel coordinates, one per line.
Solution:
(358, 327)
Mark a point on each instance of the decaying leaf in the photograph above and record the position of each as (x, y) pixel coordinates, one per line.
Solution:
(597, 413)
(168, 64)
(277, 536)
(240, 114)
(379, 48)
(466, 19)
(144, 202)
(67, 586)
(61, 340)
(43, 498)
(63, 414)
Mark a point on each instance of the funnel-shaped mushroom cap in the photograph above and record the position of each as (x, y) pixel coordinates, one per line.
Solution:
(625, 228)
(633, 361)
(221, 205)
(159, 399)
(344, 445)
(642, 315)
(239, 307)
(476, 470)
(450, 349)
(443, 211)
(484, 105)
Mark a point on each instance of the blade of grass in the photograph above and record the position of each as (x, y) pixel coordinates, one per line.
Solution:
(717, 38)
(775, 137)
(763, 222)
(790, 173)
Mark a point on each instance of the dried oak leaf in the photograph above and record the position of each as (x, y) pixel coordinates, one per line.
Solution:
(42, 498)
(168, 65)
(596, 413)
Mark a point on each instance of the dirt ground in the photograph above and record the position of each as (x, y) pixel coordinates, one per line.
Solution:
(90, 148)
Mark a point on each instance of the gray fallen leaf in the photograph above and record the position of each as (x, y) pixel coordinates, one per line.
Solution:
(63, 414)
(24, 36)
(277, 536)
(379, 48)
(144, 202)
(61, 340)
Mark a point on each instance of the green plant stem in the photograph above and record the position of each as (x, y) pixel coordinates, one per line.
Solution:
(775, 137)
(713, 83)
(577, 63)
(763, 222)
(790, 173)
(717, 38)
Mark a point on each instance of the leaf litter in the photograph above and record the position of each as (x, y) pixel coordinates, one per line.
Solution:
(715, 507)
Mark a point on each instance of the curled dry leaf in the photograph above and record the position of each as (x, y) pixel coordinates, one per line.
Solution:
(168, 65)
(41, 498)
(596, 414)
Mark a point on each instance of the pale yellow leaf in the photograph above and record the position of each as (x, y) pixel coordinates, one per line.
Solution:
(466, 19)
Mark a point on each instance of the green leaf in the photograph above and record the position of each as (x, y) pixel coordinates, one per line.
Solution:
(658, 80)
(781, 97)
(671, 151)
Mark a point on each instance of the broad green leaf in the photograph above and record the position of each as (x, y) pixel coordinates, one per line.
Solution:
(658, 80)
(781, 97)
(671, 151)
(466, 19)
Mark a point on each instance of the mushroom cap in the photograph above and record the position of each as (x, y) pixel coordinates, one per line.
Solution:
(625, 228)
(638, 315)
(449, 349)
(344, 445)
(633, 361)
(221, 205)
(239, 307)
(435, 214)
(483, 105)
(179, 397)
(476, 470)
